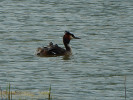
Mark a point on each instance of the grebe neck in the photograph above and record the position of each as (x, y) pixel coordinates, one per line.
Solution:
(66, 42)
(68, 48)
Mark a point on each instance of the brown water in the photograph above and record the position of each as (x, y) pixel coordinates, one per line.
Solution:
(101, 58)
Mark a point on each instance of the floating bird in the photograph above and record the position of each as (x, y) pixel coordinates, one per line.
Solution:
(55, 50)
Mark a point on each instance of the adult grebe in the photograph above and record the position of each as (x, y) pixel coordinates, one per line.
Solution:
(55, 50)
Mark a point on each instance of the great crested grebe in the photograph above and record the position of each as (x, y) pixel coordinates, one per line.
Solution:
(55, 50)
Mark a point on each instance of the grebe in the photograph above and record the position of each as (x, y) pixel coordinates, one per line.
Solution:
(55, 50)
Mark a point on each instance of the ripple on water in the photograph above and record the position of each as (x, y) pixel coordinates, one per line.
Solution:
(101, 58)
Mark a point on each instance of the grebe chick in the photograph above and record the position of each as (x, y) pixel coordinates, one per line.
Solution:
(55, 50)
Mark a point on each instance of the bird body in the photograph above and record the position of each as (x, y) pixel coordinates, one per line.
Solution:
(55, 50)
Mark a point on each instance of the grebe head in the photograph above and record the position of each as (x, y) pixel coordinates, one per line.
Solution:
(66, 39)
(68, 36)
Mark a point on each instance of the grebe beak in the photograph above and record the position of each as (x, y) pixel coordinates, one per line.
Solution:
(75, 37)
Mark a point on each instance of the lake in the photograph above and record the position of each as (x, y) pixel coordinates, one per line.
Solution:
(101, 59)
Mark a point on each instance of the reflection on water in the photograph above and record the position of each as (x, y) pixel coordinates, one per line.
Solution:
(67, 57)
(100, 60)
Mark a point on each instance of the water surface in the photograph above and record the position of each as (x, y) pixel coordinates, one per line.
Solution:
(101, 58)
